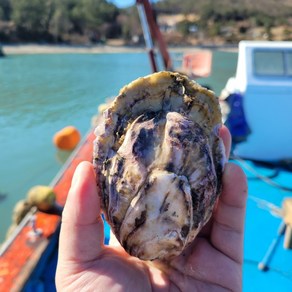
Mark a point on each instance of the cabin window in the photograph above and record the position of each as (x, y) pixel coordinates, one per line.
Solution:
(272, 63)
(289, 63)
(269, 63)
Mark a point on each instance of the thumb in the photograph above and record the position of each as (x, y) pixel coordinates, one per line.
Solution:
(81, 235)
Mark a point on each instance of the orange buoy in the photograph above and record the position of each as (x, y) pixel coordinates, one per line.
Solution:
(67, 138)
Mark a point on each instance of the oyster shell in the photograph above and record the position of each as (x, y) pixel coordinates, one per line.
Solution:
(159, 161)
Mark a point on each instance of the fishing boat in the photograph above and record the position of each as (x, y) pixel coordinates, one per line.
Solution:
(259, 97)
(259, 119)
(28, 258)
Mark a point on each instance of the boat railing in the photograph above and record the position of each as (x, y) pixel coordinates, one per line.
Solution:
(29, 217)
(24, 222)
(69, 160)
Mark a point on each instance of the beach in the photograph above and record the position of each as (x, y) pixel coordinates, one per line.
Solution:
(66, 49)
(29, 49)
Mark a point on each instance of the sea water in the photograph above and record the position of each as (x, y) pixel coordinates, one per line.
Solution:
(41, 94)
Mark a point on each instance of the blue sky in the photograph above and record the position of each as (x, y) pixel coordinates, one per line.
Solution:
(124, 3)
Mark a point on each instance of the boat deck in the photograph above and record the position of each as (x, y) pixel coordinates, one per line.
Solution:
(264, 231)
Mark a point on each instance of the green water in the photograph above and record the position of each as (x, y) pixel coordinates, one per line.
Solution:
(40, 94)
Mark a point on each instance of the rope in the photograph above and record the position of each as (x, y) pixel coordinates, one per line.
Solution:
(287, 275)
(263, 178)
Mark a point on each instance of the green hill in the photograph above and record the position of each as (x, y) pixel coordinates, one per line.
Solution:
(97, 21)
(229, 21)
(268, 7)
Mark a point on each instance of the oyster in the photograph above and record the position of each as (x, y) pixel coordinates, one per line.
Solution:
(159, 161)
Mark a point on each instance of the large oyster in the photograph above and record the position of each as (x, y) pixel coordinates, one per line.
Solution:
(159, 162)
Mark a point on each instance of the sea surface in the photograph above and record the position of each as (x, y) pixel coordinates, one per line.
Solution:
(41, 94)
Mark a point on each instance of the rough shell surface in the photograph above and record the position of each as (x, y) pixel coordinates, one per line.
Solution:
(159, 162)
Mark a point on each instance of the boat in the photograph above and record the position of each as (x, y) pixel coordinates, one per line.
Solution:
(28, 258)
(262, 84)
(259, 118)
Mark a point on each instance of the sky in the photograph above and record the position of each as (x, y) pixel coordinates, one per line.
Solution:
(123, 3)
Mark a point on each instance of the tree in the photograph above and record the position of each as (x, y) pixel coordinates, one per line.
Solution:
(31, 17)
(130, 24)
(61, 22)
(5, 9)
(93, 17)
(36, 19)
(95, 14)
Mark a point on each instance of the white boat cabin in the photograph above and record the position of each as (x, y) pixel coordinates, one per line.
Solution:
(264, 81)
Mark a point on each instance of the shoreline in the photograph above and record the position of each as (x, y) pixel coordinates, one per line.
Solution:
(31, 49)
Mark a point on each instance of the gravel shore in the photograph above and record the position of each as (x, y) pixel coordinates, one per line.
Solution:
(99, 49)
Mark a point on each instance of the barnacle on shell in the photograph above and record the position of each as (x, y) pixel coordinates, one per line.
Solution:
(159, 161)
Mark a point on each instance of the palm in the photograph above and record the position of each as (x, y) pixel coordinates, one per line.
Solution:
(211, 263)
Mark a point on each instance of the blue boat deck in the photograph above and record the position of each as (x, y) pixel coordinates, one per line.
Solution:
(264, 236)
(263, 240)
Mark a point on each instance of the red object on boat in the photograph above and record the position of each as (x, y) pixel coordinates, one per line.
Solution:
(21, 253)
(197, 64)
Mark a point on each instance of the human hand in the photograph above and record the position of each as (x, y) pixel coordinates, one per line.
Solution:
(213, 262)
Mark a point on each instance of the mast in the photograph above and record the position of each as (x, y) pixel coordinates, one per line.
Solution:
(151, 30)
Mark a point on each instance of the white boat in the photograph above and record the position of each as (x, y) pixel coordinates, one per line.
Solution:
(260, 100)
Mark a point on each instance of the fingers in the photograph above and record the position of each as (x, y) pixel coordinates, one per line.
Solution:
(226, 138)
(81, 236)
(228, 220)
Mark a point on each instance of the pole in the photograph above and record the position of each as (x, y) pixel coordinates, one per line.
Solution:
(147, 36)
(155, 32)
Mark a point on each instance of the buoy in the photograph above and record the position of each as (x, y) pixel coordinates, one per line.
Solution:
(67, 138)
(43, 197)
(20, 210)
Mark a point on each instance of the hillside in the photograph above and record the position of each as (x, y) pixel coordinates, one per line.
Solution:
(224, 21)
(268, 7)
(186, 22)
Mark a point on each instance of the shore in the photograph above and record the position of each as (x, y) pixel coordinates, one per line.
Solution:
(29, 49)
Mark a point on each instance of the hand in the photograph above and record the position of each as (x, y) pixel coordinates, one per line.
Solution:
(213, 262)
